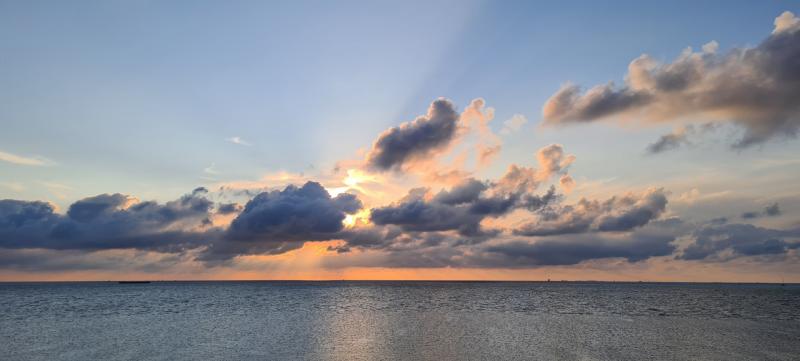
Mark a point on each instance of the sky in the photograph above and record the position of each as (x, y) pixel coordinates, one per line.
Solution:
(469, 140)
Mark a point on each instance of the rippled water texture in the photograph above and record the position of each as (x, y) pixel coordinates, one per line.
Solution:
(398, 320)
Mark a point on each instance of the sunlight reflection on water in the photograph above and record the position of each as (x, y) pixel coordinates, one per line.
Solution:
(397, 320)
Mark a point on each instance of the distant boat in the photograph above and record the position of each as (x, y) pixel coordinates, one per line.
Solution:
(128, 282)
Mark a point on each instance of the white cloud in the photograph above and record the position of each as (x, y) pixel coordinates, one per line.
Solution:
(786, 22)
(514, 124)
(20, 160)
(210, 169)
(238, 140)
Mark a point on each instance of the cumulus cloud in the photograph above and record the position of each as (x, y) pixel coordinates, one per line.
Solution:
(754, 88)
(424, 229)
(106, 222)
(613, 215)
(727, 241)
(416, 139)
(634, 247)
(461, 208)
(270, 223)
(552, 160)
(464, 206)
(786, 22)
(279, 221)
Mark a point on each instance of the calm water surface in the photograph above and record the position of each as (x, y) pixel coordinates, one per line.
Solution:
(398, 320)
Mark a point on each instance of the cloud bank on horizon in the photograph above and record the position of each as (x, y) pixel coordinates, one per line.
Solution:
(446, 216)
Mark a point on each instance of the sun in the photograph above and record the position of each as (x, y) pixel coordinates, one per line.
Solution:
(360, 218)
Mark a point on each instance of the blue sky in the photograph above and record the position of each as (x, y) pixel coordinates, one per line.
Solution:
(143, 98)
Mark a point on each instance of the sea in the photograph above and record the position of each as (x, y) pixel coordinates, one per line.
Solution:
(361, 320)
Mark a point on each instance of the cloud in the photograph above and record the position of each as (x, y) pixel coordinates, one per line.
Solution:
(417, 214)
(670, 141)
(20, 160)
(513, 124)
(210, 169)
(727, 241)
(753, 88)
(772, 210)
(575, 249)
(106, 222)
(279, 221)
(567, 183)
(477, 117)
(239, 141)
(518, 220)
(463, 207)
(425, 229)
(552, 160)
(229, 208)
(613, 215)
(679, 137)
(90, 208)
(787, 22)
(416, 139)
(460, 210)
(447, 250)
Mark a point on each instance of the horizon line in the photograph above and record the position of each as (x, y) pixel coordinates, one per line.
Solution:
(408, 280)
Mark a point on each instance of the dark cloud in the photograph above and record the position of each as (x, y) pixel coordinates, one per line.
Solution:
(772, 210)
(750, 215)
(271, 223)
(569, 105)
(722, 242)
(654, 240)
(575, 249)
(718, 221)
(280, 221)
(615, 214)
(416, 139)
(461, 208)
(106, 222)
(679, 137)
(294, 213)
(229, 208)
(467, 192)
(380, 237)
(26, 224)
(90, 208)
(422, 230)
(754, 88)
